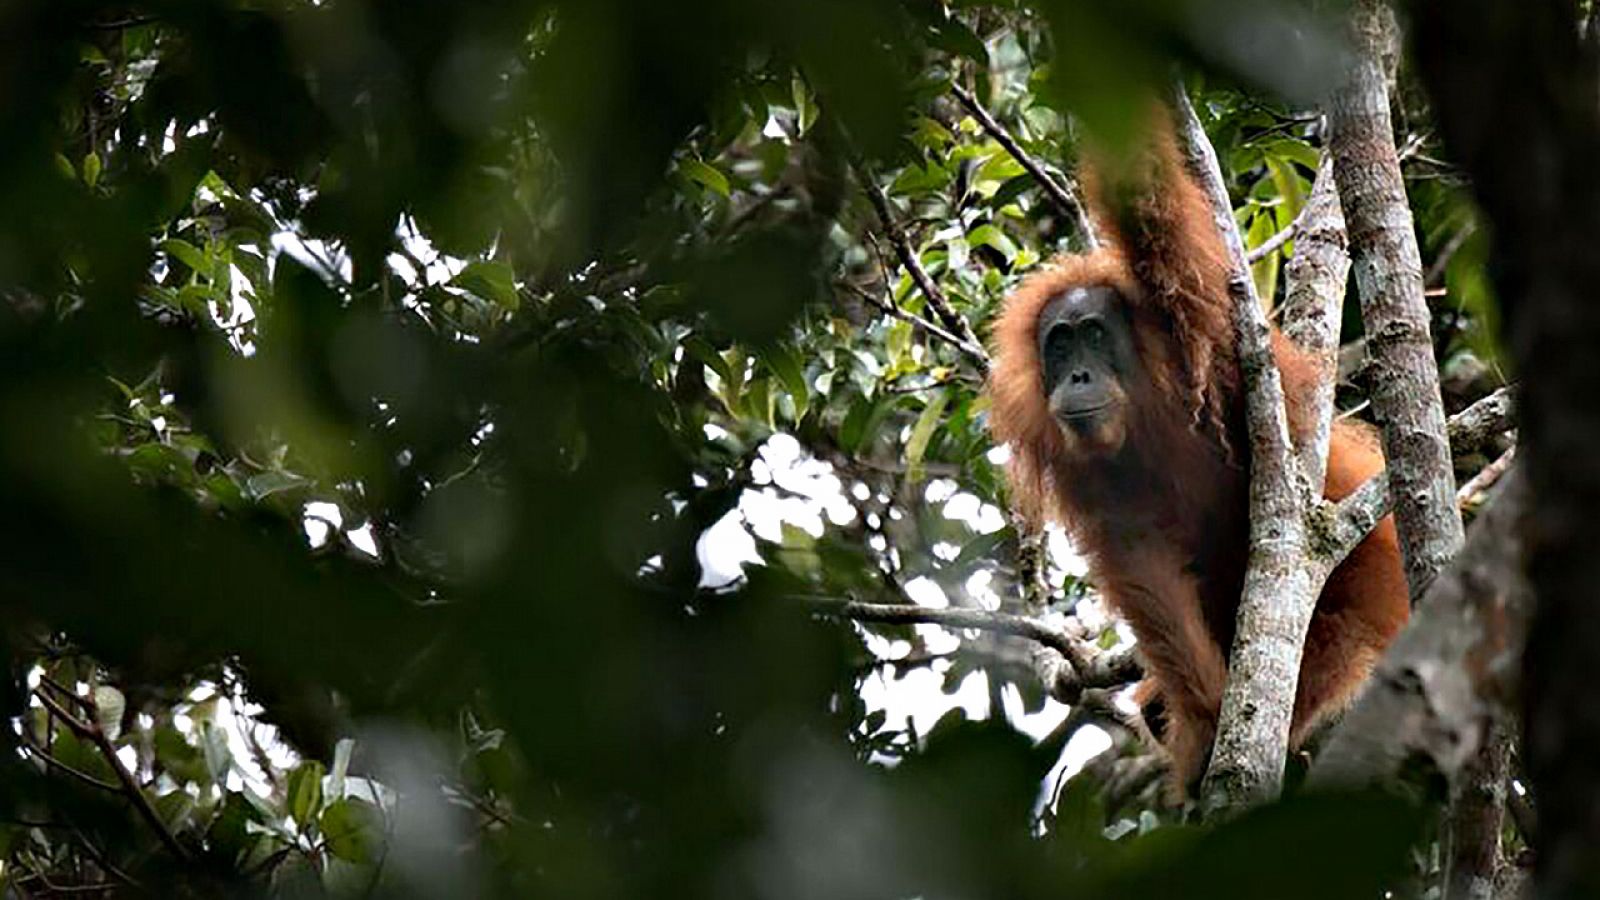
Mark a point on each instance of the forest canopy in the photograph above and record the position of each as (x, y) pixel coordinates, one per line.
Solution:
(540, 448)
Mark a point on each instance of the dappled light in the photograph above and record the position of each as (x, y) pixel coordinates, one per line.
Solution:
(549, 448)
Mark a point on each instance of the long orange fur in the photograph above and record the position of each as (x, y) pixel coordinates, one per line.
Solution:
(1164, 523)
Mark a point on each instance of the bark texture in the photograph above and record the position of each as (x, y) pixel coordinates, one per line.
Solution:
(1280, 589)
(1313, 300)
(1477, 815)
(1405, 392)
(1517, 99)
(1452, 671)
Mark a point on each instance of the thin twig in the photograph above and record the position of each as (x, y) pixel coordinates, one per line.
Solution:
(68, 693)
(130, 786)
(972, 350)
(953, 321)
(102, 859)
(1269, 246)
(1441, 260)
(1488, 417)
(1472, 492)
(1354, 516)
(50, 761)
(982, 619)
(1065, 200)
(120, 24)
(1080, 665)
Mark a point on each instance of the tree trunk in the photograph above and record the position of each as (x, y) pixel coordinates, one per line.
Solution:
(1517, 99)
(1405, 384)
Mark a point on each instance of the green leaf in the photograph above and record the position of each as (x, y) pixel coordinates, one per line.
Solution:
(1011, 190)
(804, 106)
(186, 253)
(758, 401)
(930, 134)
(493, 281)
(177, 756)
(91, 169)
(915, 180)
(699, 348)
(854, 428)
(353, 830)
(921, 434)
(705, 175)
(219, 759)
(1291, 185)
(784, 362)
(265, 484)
(733, 377)
(955, 38)
(64, 166)
(1000, 167)
(984, 546)
(174, 808)
(1296, 151)
(305, 792)
(897, 343)
(195, 299)
(995, 239)
(234, 831)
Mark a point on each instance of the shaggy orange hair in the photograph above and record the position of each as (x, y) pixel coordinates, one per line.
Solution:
(1164, 521)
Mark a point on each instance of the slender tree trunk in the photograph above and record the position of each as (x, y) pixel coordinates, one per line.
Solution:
(1280, 585)
(1312, 305)
(1405, 386)
(1519, 105)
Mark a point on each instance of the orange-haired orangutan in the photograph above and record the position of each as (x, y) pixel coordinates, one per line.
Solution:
(1117, 385)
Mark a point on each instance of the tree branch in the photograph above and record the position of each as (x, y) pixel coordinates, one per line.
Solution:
(1388, 266)
(1280, 589)
(954, 321)
(1477, 815)
(1272, 244)
(1516, 94)
(975, 352)
(1313, 307)
(1062, 196)
(981, 619)
(1437, 688)
(130, 786)
(1479, 484)
(1078, 666)
(50, 761)
(1489, 417)
(1347, 522)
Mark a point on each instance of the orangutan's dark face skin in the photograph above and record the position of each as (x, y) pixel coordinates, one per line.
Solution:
(1086, 351)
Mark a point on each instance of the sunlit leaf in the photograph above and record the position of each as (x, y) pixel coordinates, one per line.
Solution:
(353, 830)
(785, 364)
(265, 484)
(493, 281)
(91, 169)
(922, 434)
(305, 791)
(995, 239)
(218, 756)
(188, 254)
(705, 175)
